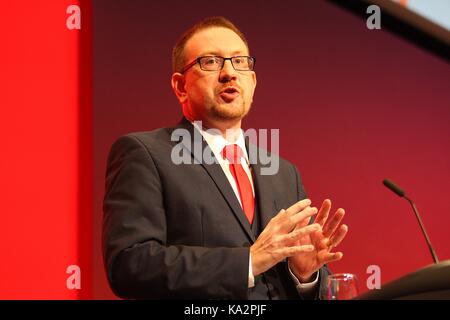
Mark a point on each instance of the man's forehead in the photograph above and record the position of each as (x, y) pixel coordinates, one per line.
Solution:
(215, 41)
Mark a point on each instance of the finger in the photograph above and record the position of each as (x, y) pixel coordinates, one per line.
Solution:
(298, 206)
(306, 222)
(339, 235)
(324, 244)
(330, 257)
(324, 211)
(332, 225)
(274, 221)
(280, 214)
(302, 217)
(298, 233)
(292, 251)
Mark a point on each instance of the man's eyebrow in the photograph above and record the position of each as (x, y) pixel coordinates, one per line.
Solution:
(209, 53)
(239, 53)
(215, 53)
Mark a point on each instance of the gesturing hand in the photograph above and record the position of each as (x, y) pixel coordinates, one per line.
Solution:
(279, 239)
(305, 264)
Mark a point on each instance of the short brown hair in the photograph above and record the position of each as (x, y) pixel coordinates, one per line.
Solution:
(178, 57)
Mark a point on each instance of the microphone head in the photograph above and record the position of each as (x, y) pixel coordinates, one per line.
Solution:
(393, 187)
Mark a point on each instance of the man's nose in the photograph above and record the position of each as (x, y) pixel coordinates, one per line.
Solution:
(228, 72)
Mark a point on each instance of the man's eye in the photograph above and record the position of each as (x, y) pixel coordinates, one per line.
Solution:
(238, 60)
(211, 61)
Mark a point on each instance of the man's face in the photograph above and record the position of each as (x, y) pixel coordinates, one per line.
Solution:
(223, 95)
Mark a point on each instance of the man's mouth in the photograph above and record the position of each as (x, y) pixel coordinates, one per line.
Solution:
(229, 94)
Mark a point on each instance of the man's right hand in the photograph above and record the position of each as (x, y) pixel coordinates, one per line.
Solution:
(278, 240)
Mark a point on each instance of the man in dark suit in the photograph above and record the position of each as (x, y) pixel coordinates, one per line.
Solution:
(189, 212)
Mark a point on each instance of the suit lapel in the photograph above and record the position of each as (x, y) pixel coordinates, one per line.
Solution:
(222, 183)
(216, 173)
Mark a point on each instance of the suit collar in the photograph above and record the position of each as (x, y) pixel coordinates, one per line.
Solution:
(217, 142)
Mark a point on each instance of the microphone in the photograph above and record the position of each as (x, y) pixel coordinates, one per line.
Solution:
(394, 188)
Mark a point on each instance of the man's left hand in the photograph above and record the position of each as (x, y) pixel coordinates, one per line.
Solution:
(305, 265)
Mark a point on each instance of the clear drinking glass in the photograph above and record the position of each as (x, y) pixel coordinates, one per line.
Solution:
(341, 286)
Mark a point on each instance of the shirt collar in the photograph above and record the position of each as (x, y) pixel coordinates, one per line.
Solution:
(217, 142)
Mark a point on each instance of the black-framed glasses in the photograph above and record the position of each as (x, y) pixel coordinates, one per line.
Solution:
(216, 63)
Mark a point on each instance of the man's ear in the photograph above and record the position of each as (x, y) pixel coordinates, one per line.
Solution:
(178, 86)
(254, 80)
(254, 86)
(254, 83)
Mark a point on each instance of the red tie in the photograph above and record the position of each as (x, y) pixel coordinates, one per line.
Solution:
(234, 153)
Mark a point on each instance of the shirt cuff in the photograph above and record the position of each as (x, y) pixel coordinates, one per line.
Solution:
(251, 278)
(304, 287)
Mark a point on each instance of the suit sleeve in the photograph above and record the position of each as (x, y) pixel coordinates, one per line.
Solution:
(324, 271)
(139, 262)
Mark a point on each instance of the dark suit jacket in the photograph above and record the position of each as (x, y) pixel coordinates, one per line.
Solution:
(178, 231)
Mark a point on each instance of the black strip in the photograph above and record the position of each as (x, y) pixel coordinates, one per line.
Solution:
(399, 27)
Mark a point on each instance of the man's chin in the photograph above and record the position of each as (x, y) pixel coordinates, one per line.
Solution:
(228, 111)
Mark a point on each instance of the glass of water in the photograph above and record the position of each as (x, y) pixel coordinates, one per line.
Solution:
(341, 286)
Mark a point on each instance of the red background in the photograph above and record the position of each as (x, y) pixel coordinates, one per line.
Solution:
(353, 106)
(46, 153)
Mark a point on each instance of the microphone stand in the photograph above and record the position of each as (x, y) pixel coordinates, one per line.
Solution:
(394, 188)
(416, 212)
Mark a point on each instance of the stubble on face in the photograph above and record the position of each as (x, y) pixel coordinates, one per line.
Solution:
(235, 110)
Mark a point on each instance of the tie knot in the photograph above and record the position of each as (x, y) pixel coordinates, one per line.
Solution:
(232, 153)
